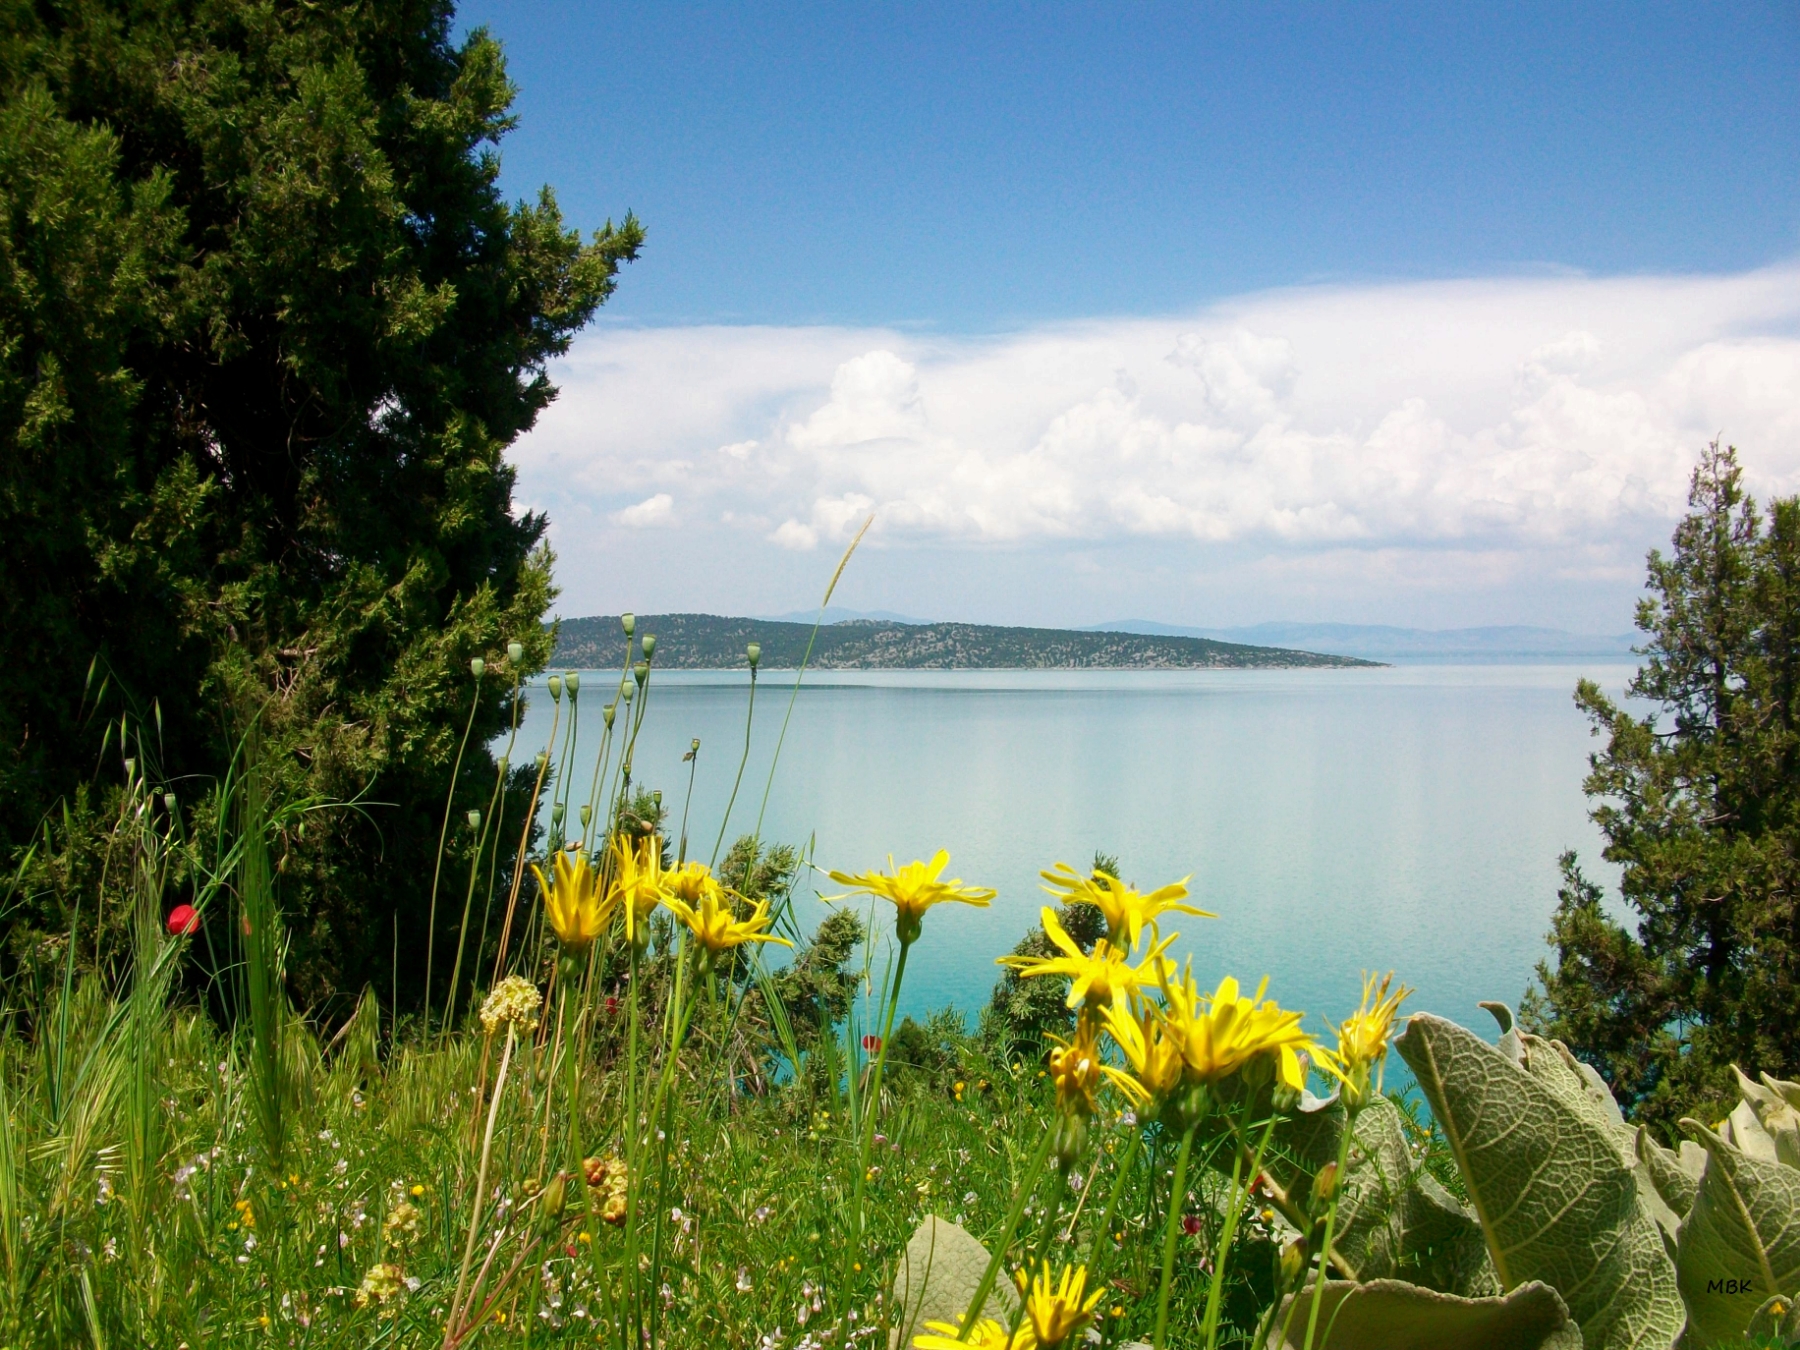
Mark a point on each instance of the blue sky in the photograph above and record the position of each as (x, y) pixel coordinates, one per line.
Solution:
(972, 167)
(1405, 314)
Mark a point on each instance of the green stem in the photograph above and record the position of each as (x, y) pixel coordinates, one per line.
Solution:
(725, 820)
(1027, 1184)
(664, 1107)
(443, 835)
(871, 1108)
(1318, 1298)
(1239, 1186)
(631, 1162)
(1177, 1196)
(1096, 1249)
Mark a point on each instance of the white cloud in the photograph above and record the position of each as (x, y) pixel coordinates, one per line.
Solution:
(651, 512)
(1545, 424)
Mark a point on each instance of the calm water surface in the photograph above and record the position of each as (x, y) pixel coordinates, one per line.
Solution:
(1335, 820)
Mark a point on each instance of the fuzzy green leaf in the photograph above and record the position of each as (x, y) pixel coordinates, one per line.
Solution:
(1555, 1199)
(1740, 1242)
(1393, 1315)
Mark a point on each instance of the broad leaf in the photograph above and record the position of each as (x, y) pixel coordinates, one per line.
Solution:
(1740, 1241)
(1393, 1315)
(938, 1275)
(1555, 1199)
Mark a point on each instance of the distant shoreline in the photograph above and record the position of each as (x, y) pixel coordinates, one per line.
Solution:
(717, 642)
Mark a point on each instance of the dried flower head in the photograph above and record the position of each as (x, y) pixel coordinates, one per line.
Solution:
(513, 1002)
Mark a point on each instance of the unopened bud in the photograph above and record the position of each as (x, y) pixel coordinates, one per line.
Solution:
(696, 745)
(628, 621)
(556, 1195)
(641, 671)
(587, 815)
(754, 653)
(649, 645)
(1293, 1262)
(556, 813)
(1325, 1184)
(572, 682)
(474, 820)
(542, 760)
(515, 652)
(608, 713)
(477, 667)
(656, 797)
(169, 802)
(555, 683)
(130, 769)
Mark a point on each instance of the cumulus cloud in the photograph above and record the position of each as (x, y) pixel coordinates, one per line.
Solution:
(1551, 418)
(650, 512)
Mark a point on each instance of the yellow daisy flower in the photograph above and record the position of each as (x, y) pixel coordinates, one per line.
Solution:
(637, 884)
(715, 924)
(1075, 1070)
(1152, 1049)
(1058, 1312)
(1126, 910)
(572, 901)
(1222, 1032)
(987, 1335)
(1362, 1040)
(912, 889)
(1096, 978)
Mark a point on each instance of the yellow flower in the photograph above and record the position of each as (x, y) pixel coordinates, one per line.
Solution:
(913, 889)
(246, 1212)
(384, 1281)
(572, 902)
(1096, 979)
(987, 1335)
(1057, 1312)
(716, 927)
(690, 882)
(1362, 1040)
(1223, 1032)
(1152, 1049)
(513, 1002)
(1075, 1069)
(637, 884)
(1126, 910)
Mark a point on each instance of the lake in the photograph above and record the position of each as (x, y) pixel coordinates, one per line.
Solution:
(1335, 820)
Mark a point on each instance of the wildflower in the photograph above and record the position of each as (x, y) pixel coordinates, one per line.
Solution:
(716, 928)
(1126, 910)
(1057, 1313)
(1075, 1070)
(383, 1283)
(1224, 1032)
(183, 919)
(608, 1177)
(246, 1212)
(401, 1227)
(637, 884)
(1152, 1052)
(913, 889)
(987, 1335)
(1362, 1040)
(513, 1002)
(1098, 978)
(572, 903)
(690, 882)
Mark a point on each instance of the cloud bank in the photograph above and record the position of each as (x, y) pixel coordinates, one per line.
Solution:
(1475, 450)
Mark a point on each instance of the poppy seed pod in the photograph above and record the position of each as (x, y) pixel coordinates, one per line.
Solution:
(656, 797)
(572, 682)
(628, 621)
(169, 802)
(754, 652)
(608, 713)
(477, 667)
(474, 820)
(587, 815)
(504, 765)
(641, 671)
(627, 693)
(542, 759)
(555, 683)
(556, 813)
(649, 645)
(515, 652)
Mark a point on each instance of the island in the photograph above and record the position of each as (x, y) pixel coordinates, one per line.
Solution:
(713, 642)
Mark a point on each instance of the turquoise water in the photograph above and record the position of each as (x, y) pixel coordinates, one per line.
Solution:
(1335, 820)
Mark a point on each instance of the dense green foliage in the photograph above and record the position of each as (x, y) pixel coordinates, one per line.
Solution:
(266, 329)
(708, 642)
(1700, 804)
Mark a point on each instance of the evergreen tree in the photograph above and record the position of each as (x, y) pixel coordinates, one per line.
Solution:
(1700, 804)
(267, 327)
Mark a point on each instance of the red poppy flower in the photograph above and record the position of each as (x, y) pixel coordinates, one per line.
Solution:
(1190, 1224)
(183, 919)
(612, 1004)
(872, 1044)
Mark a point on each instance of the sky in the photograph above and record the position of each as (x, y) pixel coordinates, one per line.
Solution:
(1398, 314)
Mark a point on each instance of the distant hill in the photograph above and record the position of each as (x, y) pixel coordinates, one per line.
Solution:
(1513, 642)
(709, 642)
